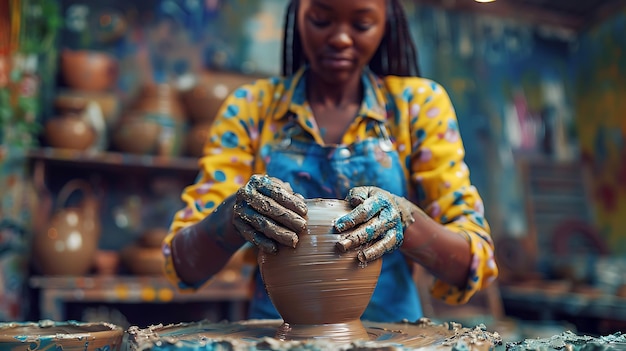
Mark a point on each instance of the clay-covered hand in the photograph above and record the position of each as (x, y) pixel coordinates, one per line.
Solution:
(378, 218)
(267, 212)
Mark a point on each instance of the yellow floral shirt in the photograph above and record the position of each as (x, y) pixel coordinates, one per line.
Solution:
(423, 128)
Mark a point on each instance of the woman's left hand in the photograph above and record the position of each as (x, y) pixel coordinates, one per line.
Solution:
(378, 218)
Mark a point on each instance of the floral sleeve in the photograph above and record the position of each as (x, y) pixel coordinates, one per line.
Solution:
(225, 166)
(441, 181)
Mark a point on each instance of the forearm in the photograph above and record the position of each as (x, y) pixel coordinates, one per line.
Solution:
(202, 249)
(444, 253)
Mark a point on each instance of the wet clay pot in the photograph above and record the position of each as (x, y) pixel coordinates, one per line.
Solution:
(318, 291)
(66, 336)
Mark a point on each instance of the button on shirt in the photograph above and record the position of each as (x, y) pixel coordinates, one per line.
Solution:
(422, 127)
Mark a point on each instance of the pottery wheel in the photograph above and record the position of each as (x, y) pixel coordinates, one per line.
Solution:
(259, 335)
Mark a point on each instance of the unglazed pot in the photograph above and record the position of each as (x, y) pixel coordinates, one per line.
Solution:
(69, 132)
(160, 99)
(66, 336)
(71, 129)
(138, 135)
(318, 291)
(154, 124)
(203, 100)
(88, 70)
(143, 260)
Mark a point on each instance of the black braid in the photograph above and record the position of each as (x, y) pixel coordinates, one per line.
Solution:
(396, 55)
(293, 53)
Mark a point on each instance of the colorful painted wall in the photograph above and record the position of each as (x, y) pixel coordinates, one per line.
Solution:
(27, 36)
(600, 61)
(510, 83)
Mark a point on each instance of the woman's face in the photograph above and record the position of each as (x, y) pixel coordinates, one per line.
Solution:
(339, 37)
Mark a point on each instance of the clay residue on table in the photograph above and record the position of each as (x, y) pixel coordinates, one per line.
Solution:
(258, 334)
(51, 329)
(568, 341)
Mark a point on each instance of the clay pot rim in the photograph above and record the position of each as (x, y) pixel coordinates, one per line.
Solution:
(329, 202)
(108, 330)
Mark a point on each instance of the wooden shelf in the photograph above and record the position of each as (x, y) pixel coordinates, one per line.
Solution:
(57, 291)
(113, 159)
(549, 304)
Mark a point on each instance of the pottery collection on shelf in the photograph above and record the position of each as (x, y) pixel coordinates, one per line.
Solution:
(163, 119)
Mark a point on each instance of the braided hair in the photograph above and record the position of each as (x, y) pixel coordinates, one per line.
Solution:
(396, 54)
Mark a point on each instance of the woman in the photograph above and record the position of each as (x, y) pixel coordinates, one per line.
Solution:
(348, 119)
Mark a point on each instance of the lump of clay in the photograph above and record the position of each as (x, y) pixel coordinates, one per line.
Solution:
(569, 341)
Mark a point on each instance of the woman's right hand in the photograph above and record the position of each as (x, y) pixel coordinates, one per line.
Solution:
(267, 212)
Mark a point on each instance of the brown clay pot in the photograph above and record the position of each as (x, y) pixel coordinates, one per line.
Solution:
(154, 124)
(67, 336)
(160, 99)
(137, 135)
(143, 260)
(316, 289)
(153, 237)
(69, 132)
(67, 244)
(204, 99)
(88, 70)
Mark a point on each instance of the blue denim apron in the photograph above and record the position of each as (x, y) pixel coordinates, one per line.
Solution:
(317, 171)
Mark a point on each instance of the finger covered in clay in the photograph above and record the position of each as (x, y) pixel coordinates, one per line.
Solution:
(280, 192)
(265, 206)
(389, 242)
